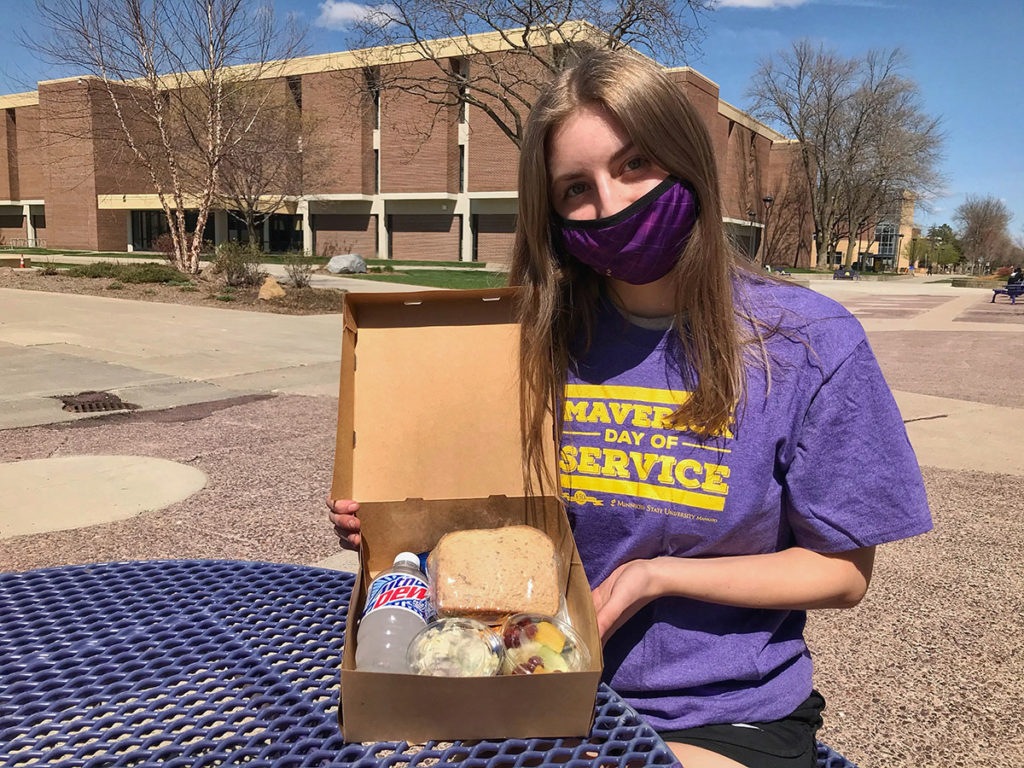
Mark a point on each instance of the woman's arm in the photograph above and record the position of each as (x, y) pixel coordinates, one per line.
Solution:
(793, 579)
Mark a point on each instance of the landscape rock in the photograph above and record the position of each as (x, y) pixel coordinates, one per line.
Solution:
(346, 264)
(270, 289)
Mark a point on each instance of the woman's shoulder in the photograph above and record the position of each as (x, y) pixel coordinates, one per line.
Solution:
(768, 298)
(777, 310)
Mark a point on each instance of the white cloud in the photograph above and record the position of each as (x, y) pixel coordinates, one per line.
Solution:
(760, 4)
(340, 14)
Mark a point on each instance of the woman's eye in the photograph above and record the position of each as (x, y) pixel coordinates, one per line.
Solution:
(635, 164)
(575, 189)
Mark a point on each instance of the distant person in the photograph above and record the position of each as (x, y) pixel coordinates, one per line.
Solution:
(1016, 276)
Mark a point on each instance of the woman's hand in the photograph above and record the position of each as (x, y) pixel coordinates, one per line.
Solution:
(343, 516)
(626, 590)
(793, 579)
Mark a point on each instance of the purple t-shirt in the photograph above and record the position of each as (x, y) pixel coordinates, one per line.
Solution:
(822, 461)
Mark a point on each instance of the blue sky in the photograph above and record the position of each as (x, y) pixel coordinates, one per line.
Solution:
(967, 57)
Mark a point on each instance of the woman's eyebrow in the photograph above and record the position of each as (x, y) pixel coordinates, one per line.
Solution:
(625, 150)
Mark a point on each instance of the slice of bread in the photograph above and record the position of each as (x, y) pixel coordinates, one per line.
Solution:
(489, 574)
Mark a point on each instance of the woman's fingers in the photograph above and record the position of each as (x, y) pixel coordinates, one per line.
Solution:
(342, 514)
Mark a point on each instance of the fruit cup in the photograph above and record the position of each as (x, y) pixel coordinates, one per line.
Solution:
(536, 644)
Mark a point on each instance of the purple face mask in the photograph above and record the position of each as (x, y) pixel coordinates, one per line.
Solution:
(639, 244)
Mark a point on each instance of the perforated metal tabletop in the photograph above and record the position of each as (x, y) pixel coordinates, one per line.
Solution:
(204, 663)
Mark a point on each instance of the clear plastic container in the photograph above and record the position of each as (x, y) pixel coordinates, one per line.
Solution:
(489, 574)
(536, 644)
(456, 647)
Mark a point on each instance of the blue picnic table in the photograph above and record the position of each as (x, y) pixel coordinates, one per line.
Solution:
(218, 662)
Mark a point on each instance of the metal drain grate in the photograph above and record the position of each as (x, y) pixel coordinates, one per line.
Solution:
(95, 402)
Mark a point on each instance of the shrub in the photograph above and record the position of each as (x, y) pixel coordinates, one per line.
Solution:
(115, 286)
(299, 267)
(129, 273)
(164, 245)
(49, 269)
(239, 264)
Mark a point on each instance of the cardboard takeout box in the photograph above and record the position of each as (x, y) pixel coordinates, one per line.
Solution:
(428, 442)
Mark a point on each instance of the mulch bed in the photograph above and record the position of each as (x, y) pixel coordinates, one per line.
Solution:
(202, 293)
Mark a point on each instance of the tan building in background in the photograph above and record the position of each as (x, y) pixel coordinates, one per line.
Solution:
(886, 245)
(399, 179)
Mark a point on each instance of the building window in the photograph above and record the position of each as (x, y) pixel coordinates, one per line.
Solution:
(462, 167)
(371, 81)
(147, 226)
(460, 67)
(295, 88)
(376, 170)
(885, 234)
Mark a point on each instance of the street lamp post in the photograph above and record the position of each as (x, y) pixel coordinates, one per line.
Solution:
(768, 200)
(753, 217)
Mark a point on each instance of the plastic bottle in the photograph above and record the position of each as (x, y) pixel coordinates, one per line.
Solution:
(397, 607)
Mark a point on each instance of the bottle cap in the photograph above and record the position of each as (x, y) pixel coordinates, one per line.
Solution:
(408, 558)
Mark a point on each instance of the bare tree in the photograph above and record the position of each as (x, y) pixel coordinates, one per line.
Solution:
(891, 148)
(865, 142)
(984, 224)
(537, 41)
(169, 69)
(788, 222)
(266, 165)
(805, 90)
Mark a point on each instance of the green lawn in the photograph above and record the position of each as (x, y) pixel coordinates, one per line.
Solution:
(440, 278)
(51, 252)
(414, 263)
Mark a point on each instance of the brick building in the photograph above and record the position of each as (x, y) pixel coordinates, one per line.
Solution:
(401, 178)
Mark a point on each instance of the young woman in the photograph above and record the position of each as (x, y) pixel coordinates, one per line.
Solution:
(730, 454)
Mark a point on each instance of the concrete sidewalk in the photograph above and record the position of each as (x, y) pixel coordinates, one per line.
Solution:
(151, 354)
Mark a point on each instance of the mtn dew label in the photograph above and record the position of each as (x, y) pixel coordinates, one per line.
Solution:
(400, 590)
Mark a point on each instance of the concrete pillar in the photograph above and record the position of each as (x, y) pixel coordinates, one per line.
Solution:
(129, 234)
(380, 210)
(307, 227)
(30, 230)
(462, 209)
(220, 226)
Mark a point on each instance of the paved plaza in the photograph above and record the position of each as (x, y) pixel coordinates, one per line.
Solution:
(229, 455)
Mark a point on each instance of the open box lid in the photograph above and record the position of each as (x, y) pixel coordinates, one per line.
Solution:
(429, 397)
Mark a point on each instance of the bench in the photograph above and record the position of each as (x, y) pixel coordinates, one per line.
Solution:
(844, 273)
(1013, 290)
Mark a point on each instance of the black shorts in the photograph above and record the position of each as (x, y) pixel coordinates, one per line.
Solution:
(786, 743)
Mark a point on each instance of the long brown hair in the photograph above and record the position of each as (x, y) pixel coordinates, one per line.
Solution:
(559, 297)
